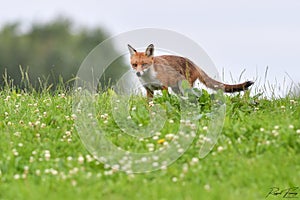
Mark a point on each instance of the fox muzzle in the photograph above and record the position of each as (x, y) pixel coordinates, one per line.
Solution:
(139, 74)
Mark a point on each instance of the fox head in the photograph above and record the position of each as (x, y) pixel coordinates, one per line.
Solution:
(141, 61)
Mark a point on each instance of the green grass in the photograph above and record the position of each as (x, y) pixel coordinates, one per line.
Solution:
(42, 156)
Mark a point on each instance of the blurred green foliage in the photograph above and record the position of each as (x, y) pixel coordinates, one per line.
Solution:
(51, 52)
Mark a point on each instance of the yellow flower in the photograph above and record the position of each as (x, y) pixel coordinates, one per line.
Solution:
(161, 141)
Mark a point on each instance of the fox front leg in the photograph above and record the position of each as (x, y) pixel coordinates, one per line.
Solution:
(149, 93)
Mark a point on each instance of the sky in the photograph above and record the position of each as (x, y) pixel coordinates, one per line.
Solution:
(238, 35)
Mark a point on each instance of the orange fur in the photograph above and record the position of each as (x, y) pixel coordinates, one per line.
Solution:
(161, 72)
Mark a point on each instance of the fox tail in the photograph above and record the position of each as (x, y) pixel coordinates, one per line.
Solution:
(216, 85)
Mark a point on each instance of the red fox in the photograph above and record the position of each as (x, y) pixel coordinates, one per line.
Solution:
(161, 72)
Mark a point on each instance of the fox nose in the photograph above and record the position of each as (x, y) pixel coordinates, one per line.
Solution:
(138, 74)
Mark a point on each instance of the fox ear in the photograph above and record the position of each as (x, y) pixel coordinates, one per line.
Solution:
(132, 51)
(149, 51)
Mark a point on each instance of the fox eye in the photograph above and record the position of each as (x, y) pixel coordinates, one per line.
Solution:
(144, 65)
(134, 65)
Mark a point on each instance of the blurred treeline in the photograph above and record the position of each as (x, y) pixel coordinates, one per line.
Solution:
(49, 52)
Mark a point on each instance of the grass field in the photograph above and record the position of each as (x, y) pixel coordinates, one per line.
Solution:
(42, 156)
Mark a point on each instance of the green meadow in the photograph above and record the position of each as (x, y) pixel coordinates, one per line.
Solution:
(43, 157)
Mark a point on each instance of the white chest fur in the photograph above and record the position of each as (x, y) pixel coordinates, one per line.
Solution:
(149, 79)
